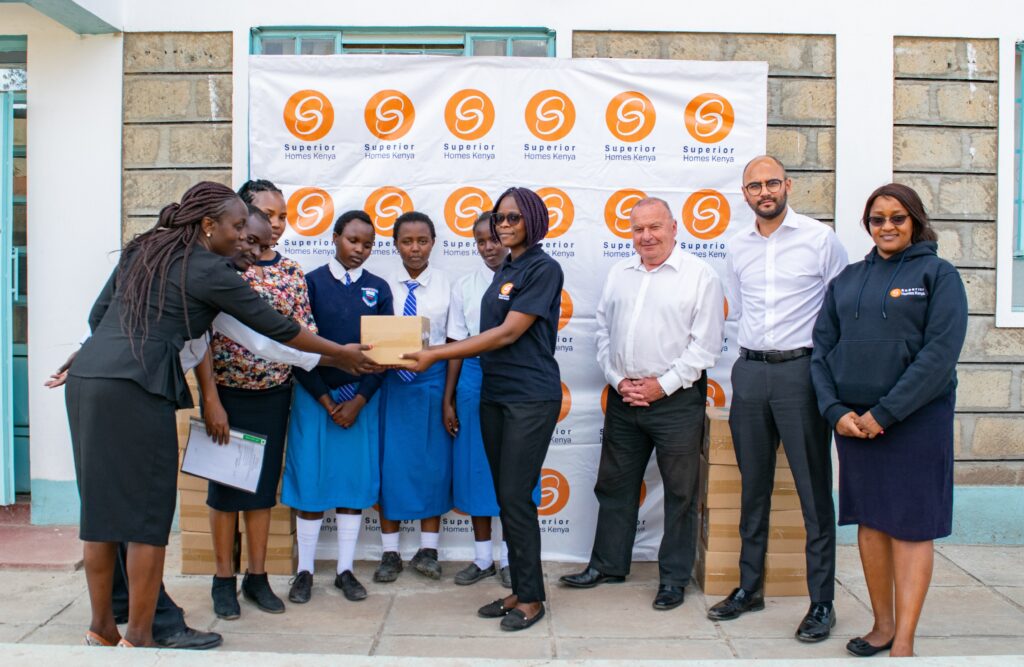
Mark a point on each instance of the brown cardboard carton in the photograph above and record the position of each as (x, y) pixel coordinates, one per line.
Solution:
(718, 446)
(188, 482)
(197, 553)
(282, 520)
(392, 336)
(720, 530)
(282, 554)
(193, 513)
(721, 487)
(718, 573)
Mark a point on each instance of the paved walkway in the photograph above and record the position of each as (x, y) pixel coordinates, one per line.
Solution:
(975, 608)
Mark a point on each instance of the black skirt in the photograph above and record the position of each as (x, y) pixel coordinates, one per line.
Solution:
(264, 412)
(125, 446)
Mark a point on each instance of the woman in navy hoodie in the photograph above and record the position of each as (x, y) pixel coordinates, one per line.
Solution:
(886, 344)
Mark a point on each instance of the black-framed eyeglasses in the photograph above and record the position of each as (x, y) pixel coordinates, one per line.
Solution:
(879, 220)
(772, 186)
(513, 219)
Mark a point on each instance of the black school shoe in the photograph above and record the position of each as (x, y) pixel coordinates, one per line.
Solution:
(389, 569)
(516, 620)
(472, 574)
(190, 639)
(256, 589)
(350, 586)
(302, 588)
(425, 562)
(817, 624)
(224, 592)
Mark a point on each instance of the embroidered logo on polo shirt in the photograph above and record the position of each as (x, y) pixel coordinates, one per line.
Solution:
(897, 292)
(505, 291)
(370, 296)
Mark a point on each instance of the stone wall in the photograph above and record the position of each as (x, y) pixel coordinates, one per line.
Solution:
(944, 146)
(801, 94)
(177, 119)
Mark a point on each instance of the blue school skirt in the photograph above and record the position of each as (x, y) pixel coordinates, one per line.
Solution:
(327, 466)
(472, 484)
(416, 450)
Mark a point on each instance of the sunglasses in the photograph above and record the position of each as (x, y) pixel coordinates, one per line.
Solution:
(513, 219)
(878, 221)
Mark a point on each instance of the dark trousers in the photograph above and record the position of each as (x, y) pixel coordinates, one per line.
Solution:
(516, 438)
(673, 428)
(769, 402)
(169, 619)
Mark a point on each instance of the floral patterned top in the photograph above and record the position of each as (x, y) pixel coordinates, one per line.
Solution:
(283, 285)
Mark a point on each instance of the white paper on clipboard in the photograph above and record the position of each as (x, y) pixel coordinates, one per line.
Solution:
(237, 464)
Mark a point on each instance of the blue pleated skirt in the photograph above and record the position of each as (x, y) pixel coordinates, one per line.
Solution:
(327, 466)
(416, 450)
(472, 484)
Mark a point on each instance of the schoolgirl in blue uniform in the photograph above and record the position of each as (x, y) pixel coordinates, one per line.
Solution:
(333, 455)
(416, 456)
(520, 395)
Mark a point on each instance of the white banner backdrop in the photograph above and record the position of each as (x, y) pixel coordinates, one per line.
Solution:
(445, 136)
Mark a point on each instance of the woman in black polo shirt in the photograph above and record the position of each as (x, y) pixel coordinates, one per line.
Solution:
(521, 392)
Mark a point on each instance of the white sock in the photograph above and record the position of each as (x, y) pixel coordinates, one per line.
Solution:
(307, 532)
(504, 554)
(484, 554)
(348, 534)
(389, 541)
(429, 540)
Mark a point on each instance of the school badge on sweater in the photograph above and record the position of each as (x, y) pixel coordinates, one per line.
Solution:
(370, 296)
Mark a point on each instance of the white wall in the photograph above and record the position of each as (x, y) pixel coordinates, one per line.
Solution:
(74, 205)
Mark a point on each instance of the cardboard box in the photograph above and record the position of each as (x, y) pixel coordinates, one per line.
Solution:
(718, 445)
(282, 520)
(722, 487)
(193, 513)
(197, 553)
(188, 482)
(720, 530)
(282, 554)
(718, 573)
(392, 336)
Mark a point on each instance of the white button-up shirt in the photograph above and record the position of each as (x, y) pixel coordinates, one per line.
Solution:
(433, 298)
(467, 293)
(776, 284)
(338, 270)
(664, 323)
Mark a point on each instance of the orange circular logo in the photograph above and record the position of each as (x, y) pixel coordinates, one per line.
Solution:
(709, 118)
(550, 115)
(310, 211)
(308, 115)
(384, 205)
(726, 307)
(463, 207)
(643, 493)
(389, 115)
(616, 211)
(554, 492)
(896, 293)
(561, 211)
(706, 214)
(630, 116)
(604, 399)
(563, 412)
(565, 310)
(469, 114)
(716, 395)
(506, 289)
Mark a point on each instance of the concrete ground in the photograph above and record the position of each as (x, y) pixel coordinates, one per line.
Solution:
(975, 608)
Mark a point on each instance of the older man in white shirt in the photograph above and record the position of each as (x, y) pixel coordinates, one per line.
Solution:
(777, 272)
(659, 328)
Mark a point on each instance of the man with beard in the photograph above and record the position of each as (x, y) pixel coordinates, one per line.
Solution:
(777, 272)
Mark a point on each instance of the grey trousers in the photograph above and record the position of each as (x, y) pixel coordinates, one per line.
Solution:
(769, 402)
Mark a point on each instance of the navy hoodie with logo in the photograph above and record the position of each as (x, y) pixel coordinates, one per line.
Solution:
(889, 335)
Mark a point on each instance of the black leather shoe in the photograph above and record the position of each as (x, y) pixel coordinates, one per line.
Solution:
(472, 574)
(425, 562)
(350, 586)
(302, 588)
(256, 589)
(389, 569)
(589, 578)
(668, 597)
(496, 609)
(817, 624)
(516, 620)
(190, 639)
(224, 592)
(739, 601)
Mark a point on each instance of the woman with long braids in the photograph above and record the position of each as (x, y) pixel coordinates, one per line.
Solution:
(521, 393)
(126, 383)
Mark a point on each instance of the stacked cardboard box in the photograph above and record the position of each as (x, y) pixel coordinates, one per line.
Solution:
(718, 553)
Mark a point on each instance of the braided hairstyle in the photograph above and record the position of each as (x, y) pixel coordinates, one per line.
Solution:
(535, 214)
(249, 189)
(148, 256)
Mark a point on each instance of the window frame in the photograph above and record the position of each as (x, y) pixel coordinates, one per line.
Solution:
(461, 40)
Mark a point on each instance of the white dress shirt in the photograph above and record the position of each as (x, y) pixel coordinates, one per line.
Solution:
(467, 293)
(776, 284)
(338, 271)
(664, 323)
(433, 297)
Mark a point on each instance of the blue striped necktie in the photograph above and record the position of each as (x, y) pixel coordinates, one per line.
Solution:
(409, 310)
(348, 279)
(345, 392)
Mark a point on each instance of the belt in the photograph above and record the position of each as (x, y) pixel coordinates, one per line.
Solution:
(775, 356)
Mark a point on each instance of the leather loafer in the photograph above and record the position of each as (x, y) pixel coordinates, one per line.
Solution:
(739, 602)
(589, 578)
(668, 597)
(190, 639)
(817, 624)
(472, 573)
(516, 620)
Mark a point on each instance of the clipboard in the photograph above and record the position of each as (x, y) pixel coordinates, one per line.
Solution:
(237, 464)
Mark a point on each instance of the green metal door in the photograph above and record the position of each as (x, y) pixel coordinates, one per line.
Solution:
(8, 291)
